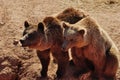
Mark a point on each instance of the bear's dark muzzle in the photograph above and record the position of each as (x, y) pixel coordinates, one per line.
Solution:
(23, 43)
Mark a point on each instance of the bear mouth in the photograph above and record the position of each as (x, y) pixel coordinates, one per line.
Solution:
(24, 44)
(29, 45)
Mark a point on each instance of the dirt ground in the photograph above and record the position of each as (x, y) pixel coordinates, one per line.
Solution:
(17, 63)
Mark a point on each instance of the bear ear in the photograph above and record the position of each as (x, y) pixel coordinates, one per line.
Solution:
(26, 24)
(65, 26)
(82, 32)
(41, 27)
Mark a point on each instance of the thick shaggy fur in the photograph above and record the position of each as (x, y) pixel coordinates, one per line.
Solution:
(92, 48)
(48, 36)
(71, 15)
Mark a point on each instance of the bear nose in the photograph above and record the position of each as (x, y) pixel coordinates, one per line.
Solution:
(63, 48)
(21, 41)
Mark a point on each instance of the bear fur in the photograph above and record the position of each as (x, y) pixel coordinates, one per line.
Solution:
(92, 48)
(71, 15)
(47, 37)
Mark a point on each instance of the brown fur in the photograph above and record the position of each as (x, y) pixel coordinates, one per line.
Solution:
(49, 37)
(71, 15)
(45, 38)
(92, 47)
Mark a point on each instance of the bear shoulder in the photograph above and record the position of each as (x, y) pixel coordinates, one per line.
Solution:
(52, 22)
(71, 15)
(88, 22)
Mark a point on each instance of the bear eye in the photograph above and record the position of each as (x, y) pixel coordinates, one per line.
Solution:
(31, 36)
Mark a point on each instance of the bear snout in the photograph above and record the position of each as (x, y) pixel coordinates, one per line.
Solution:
(23, 43)
(63, 49)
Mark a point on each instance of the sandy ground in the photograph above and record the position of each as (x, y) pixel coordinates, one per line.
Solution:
(13, 13)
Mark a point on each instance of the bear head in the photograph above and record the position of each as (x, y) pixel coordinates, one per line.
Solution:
(74, 36)
(32, 35)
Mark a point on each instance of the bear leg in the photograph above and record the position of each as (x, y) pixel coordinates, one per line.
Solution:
(111, 66)
(63, 60)
(44, 57)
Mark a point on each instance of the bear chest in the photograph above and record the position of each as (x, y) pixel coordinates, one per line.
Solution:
(79, 52)
(90, 53)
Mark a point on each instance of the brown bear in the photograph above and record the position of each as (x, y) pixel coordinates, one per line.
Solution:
(47, 37)
(91, 45)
